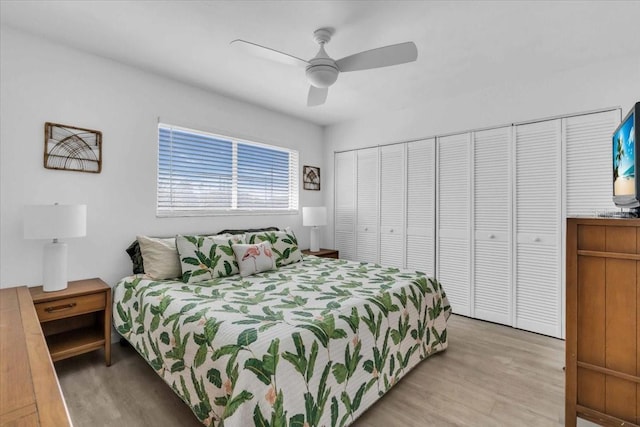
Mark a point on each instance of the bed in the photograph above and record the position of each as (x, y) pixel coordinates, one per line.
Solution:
(314, 343)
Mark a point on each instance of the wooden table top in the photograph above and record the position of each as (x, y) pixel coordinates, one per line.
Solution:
(29, 390)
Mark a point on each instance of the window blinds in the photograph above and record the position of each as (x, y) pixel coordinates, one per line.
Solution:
(201, 173)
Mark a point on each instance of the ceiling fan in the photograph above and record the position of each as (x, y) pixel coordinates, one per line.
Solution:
(322, 71)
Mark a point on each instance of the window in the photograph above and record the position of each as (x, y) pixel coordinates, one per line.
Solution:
(202, 174)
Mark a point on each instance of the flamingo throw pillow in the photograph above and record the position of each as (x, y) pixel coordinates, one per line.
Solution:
(283, 243)
(255, 258)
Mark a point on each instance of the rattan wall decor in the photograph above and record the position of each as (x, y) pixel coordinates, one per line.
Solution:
(72, 148)
(311, 178)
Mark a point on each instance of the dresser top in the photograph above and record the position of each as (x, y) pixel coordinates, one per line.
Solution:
(29, 389)
(593, 220)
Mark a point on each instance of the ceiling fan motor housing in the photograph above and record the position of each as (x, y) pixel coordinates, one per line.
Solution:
(322, 71)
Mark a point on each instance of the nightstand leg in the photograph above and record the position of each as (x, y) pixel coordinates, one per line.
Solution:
(107, 330)
(107, 353)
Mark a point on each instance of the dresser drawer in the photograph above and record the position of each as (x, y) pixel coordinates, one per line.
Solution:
(72, 306)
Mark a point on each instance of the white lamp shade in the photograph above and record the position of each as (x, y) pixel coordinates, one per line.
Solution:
(55, 221)
(314, 216)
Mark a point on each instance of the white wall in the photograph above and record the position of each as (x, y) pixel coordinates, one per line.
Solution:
(41, 81)
(600, 85)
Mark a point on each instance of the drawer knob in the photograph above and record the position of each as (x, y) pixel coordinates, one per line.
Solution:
(60, 307)
(492, 236)
(536, 239)
(391, 230)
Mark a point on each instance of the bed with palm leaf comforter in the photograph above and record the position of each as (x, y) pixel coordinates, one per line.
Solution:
(311, 344)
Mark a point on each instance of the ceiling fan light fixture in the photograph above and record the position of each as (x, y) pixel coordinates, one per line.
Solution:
(322, 75)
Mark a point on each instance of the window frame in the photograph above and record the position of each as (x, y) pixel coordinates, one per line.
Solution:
(293, 179)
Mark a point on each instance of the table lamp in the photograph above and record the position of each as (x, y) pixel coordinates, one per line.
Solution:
(314, 217)
(55, 222)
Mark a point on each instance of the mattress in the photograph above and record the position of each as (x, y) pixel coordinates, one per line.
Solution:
(311, 344)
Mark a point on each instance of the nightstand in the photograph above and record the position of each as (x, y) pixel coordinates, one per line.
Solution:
(323, 253)
(75, 320)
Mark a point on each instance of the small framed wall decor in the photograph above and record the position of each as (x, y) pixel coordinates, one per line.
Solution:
(72, 148)
(311, 178)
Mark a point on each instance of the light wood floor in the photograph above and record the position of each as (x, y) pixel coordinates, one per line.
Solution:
(490, 375)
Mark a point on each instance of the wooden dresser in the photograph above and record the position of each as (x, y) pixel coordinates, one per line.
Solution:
(603, 321)
(29, 391)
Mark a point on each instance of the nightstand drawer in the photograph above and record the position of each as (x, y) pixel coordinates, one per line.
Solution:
(333, 254)
(323, 253)
(67, 307)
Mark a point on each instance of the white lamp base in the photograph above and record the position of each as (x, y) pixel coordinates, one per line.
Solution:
(54, 269)
(315, 240)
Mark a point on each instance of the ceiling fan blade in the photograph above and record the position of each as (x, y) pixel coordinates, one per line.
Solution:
(268, 53)
(381, 57)
(317, 96)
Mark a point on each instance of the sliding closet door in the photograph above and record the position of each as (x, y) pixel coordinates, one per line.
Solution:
(492, 285)
(392, 202)
(367, 205)
(421, 190)
(538, 179)
(588, 171)
(345, 204)
(453, 252)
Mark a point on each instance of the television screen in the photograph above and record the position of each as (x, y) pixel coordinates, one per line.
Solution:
(624, 172)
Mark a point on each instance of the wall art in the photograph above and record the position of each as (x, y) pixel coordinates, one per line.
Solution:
(311, 178)
(72, 148)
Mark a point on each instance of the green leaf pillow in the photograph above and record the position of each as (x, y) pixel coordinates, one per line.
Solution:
(283, 243)
(207, 257)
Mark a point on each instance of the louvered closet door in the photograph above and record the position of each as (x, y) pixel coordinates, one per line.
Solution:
(392, 202)
(492, 289)
(453, 220)
(345, 204)
(588, 170)
(421, 190)
(367, 205)
(538, 224)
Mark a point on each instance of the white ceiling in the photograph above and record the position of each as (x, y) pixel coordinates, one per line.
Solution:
(462, 46)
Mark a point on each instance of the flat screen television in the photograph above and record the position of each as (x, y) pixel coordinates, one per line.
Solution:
(626, 183)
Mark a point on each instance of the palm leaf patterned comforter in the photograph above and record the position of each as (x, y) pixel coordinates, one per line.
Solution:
(311, 344)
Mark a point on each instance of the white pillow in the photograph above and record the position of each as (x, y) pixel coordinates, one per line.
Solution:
(255, 258)
(160, 257)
